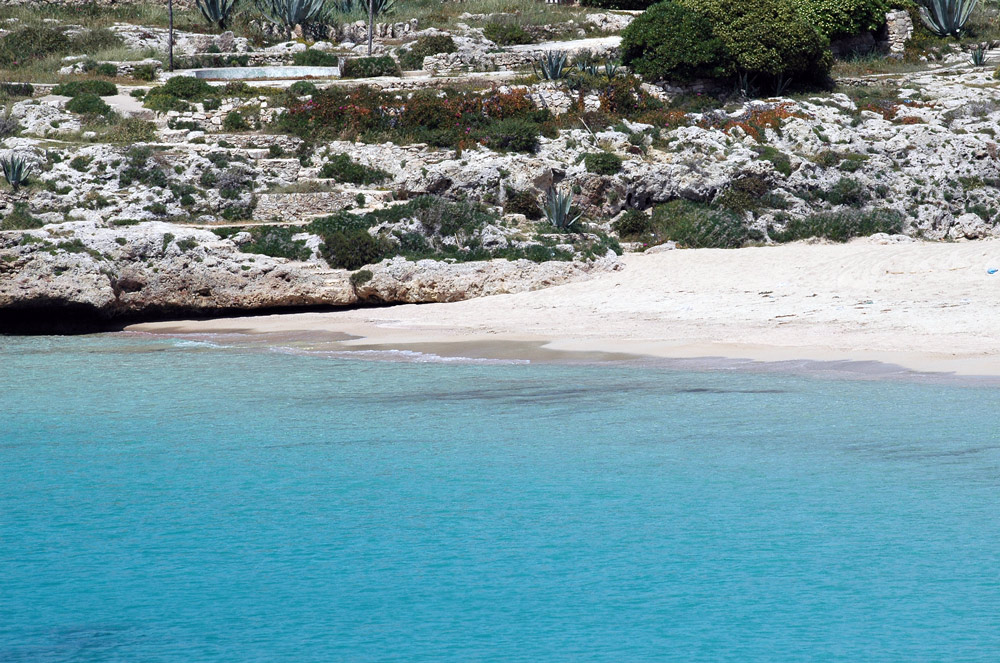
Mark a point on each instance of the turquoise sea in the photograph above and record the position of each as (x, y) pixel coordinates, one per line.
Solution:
(174, 501)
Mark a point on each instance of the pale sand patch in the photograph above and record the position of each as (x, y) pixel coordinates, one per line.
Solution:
(925, 306)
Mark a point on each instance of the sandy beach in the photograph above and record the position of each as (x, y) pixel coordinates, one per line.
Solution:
(922, 306)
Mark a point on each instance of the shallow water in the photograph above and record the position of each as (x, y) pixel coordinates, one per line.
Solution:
(175, 501)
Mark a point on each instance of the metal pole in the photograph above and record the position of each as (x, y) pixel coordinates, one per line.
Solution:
(170, 37)
(371, 24)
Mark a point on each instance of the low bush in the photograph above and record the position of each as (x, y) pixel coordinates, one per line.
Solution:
(131, 130)
(700, 226)
(30, 43)
(847, 191)
(144, 72)
(20, 219)
(234, 121)
(353, 249)
(302, 88)
(140, 168)
(370, 67)
(507, 33)
(413, 57)
(457, 118)
(313, 58)
(510, 135)
(186, 87)
(673, 42)
(603, 163)
(277, 242)
(76, 88)
(343, 169)
(361, 277)
(106, 69)
(633, 225)
(841, 226)
(88, 104)
(17, 89)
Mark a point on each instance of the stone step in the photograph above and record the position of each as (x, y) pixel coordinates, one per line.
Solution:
(301, 207)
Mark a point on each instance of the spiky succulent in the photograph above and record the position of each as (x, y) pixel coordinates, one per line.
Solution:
(611, 69)
(946, 18)
(289, 13)
(559, 209)
(551, 66)
(16, 170)
(217, 12)
(978, 56)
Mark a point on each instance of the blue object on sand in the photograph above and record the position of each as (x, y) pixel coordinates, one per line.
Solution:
(992, 271)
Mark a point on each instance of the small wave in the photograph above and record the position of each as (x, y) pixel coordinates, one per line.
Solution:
(405, 356)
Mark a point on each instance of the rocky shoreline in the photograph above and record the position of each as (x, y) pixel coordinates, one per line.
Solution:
(87, 276)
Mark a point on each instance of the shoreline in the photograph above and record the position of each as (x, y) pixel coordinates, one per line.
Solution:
(924, 307)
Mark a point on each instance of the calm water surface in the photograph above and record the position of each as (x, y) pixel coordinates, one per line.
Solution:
(168, 501)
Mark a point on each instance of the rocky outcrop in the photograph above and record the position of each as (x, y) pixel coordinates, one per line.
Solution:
(157, 269)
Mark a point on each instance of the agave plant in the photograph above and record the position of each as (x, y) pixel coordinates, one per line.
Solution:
(217, 12)
(589, 68)
(611, 69)
(558, 209)
(551, 66)
(946, 17)
(978, 56)
(289, 13)
(16, 170)
(380, 7)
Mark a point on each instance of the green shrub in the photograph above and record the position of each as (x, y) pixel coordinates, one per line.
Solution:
(302, 88)
(522, 202)
(353, 249)
(370, 67)
(20, 219)
(88, 104)
(313, 58)
(413, 57)
(277, 242)
(847, 191)
(343, 169)
(17, 89)
(511, 135)
(106, 69)
(30, 43)
(841, 226)
(144, 72)
(507, 33)
(633, 224)
(186, 87)
(234, 121)
(843, 18)
(156, 100)
(781, 161)
(603, 163)
(673, 42)
(211, 104)
(361, 277)
(275, 151)
(131, 130)
(767, 39)
(699, 226)
(76, 88)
